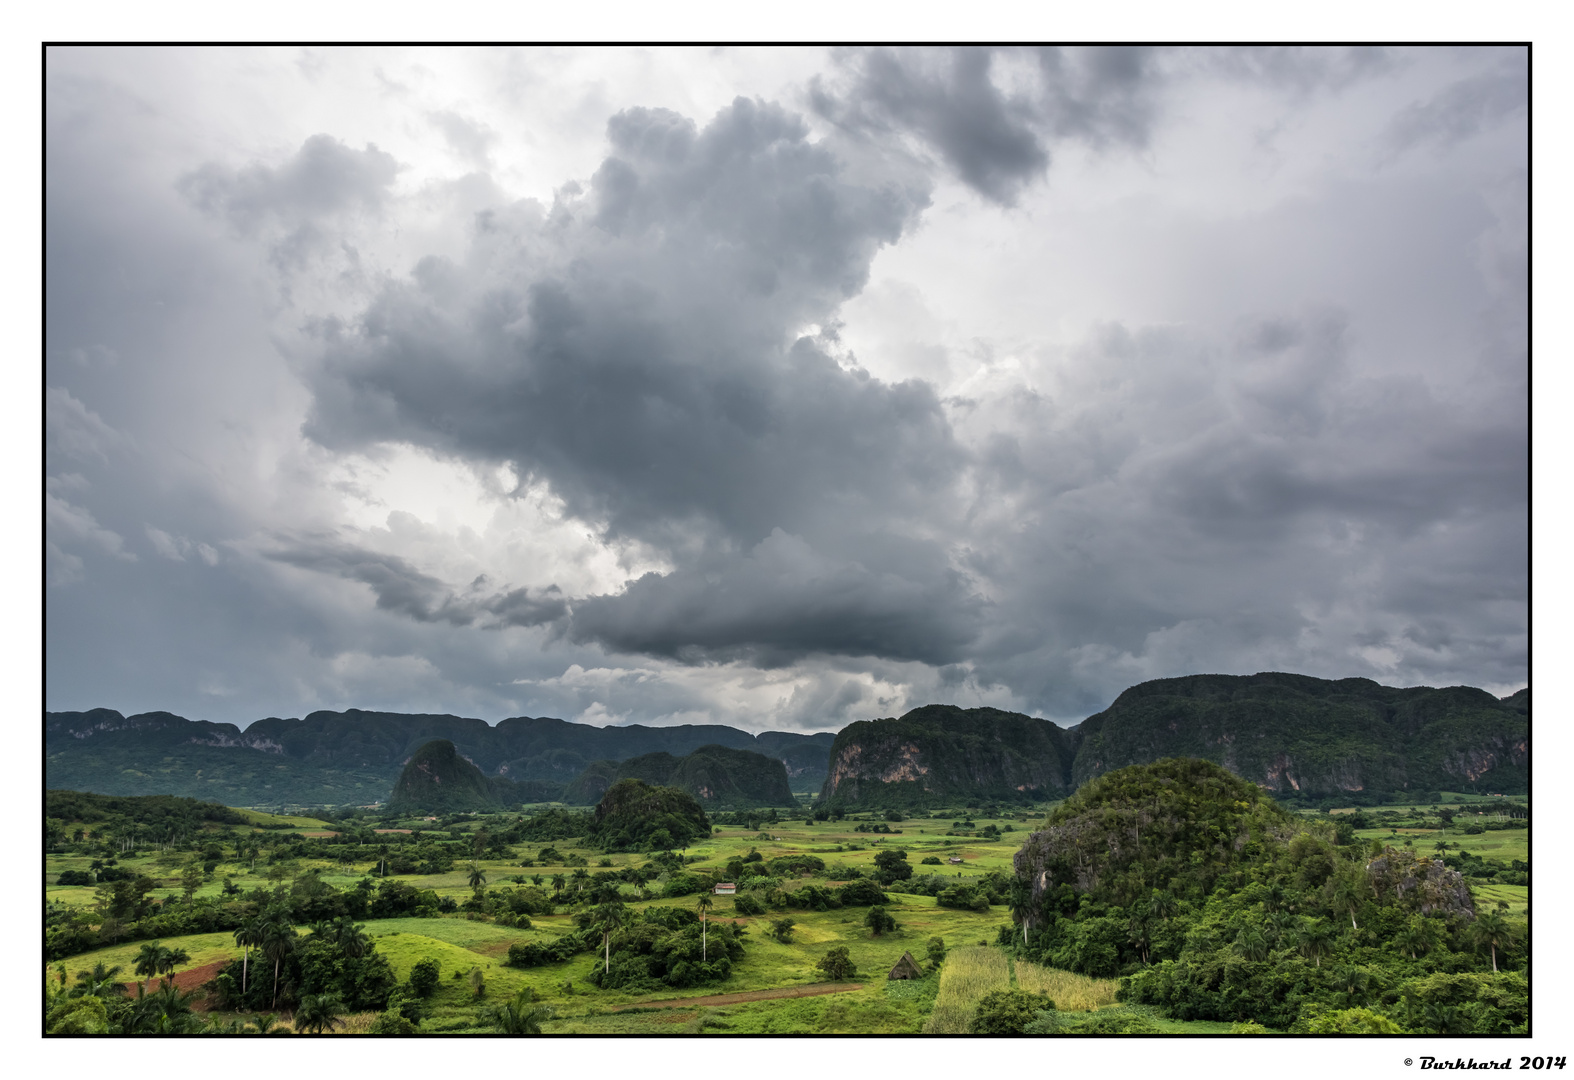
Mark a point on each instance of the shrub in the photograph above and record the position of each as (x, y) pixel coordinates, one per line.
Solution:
(860, 893)
(836, 965)
(1352, 1022)
(748, 904)
(781, 930)
(423, 977)
(929, 860)
(1008, 1012)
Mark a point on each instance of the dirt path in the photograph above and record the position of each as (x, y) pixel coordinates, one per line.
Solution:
(190, 979)
(750, 995)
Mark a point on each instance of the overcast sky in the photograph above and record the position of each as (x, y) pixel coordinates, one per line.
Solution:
(778, 388)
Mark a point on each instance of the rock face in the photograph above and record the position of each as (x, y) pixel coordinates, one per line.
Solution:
(437, 778)
(1421, 883)
(939, 754)
(717, 776)
(1294, 733)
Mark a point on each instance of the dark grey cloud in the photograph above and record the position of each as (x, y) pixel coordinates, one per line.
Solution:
(1300, 69)
(324, 177)
(996, 137)
(1465, 107)
(403, 589)
(638, 346)
(784, 601)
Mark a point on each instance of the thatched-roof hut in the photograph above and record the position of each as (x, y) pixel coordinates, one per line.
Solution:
(906, 968)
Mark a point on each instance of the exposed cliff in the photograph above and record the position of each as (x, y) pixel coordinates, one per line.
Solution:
(940, 754)
(1294, 733)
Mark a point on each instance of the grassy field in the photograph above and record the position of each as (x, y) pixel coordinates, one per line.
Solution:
(1069, 991)
(967, 976)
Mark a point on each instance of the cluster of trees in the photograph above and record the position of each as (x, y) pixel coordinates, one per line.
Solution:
(332, 969)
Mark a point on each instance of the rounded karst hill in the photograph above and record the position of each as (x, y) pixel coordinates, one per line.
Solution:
(636, 816)
(438, 778)
(1176, 824)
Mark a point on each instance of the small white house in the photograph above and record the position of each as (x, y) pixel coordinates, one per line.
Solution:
(956, 860)
(725, 888)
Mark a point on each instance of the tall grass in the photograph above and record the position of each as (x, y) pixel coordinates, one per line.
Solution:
(1069, 991)
(968, 974)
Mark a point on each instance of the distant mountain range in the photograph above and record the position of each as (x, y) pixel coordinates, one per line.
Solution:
(355, 756)
(1288, 733)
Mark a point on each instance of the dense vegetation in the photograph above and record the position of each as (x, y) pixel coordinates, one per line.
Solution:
(437, 778)
(716, 775)
(636, 816)
(1215, 904)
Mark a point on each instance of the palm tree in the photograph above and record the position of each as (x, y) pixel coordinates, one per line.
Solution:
(150, 959)
(1491, 930)
(101, 981)
(521, 1016)
(477, 876)
(278, 941)
(609, 916)
(1251, 945)
(1019, 901)
(168, 960)
(1346, 895)
(264, 1024)
(1316, 943)
(318, 1012)
(558, 881)
(1162, 905)
(248, 935)
(704, 906)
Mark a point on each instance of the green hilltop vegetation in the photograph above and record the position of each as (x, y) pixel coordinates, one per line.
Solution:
(1172, 897)
(1213, 903)
(437, 778)
(717, 776)
(634, 815)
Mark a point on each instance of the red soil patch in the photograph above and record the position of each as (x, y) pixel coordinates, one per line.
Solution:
(190, 979)
(329, 832)
(750, 995)
(390, 830)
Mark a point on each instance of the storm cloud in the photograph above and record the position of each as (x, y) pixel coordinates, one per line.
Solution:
(823, 386)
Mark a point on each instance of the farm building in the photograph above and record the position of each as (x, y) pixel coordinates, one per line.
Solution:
(956, 860)
(906, 968)
(725, 888)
